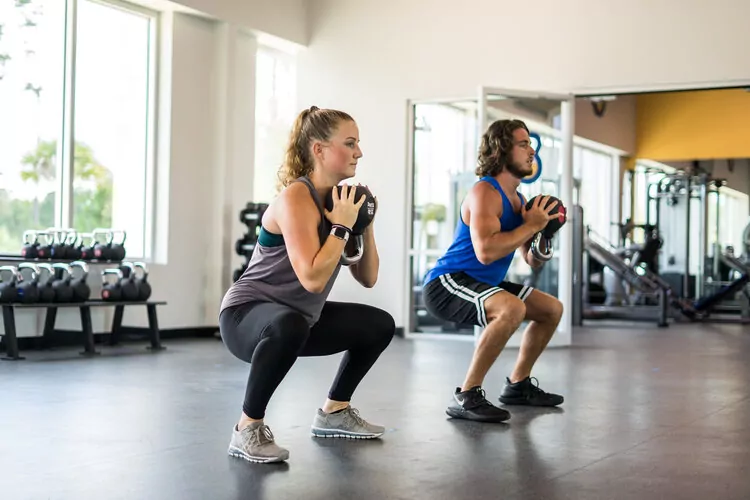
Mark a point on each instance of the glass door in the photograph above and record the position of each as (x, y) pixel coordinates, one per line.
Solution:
(443, 150)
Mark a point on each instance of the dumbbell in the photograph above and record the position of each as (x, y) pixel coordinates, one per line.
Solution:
(111, 291)
(354, 249)
(128, 285)
(144, 287)
(541, 243)
(81, 290)
(63, 277)
(28, 290)
(8, 290)
(46, 292)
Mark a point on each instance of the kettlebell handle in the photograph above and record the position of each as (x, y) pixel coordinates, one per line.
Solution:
(28, 233)
(35, 272)
(142, 266)
(541, 247)
(83, 266)
(353, 259)
(64, 267)
(106, 272)
(14, 272)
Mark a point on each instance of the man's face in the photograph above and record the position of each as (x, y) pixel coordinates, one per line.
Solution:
(522, 155)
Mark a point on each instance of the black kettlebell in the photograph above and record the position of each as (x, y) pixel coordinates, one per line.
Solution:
(117, 252)
(61, 285)
(366, 211)
(111, 291)
(128, 286)
(72, 239)
(103, 248)
(8, 291)
(86, 251)
(144, 287)
(46, 292)
(541, 244)
(28, 289)
(81, 289)
(29, 250)
(59, 247)
(44, 250)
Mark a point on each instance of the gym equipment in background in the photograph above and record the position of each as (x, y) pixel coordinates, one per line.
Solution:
(68, 244)
(251, 216)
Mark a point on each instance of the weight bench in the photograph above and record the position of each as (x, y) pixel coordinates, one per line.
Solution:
(11, 340)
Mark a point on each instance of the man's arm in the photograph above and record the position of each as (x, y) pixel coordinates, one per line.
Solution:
(485, 208)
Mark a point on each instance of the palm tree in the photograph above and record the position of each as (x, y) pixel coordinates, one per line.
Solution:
(39, 166)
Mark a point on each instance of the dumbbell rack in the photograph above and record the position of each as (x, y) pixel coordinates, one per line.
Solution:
(251, 216)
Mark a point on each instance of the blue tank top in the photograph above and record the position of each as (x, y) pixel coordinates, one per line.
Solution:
(460, 256)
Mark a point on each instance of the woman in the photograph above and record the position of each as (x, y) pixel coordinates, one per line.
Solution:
(278, 310)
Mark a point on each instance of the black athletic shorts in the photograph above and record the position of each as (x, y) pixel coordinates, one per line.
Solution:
(459, 298)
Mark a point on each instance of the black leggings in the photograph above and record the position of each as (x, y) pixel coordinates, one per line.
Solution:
(271, 336)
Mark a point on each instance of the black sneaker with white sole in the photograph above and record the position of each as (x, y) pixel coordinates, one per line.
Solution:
(473, 405)
(527, 392)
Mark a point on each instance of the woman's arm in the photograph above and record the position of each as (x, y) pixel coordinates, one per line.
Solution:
(298, 218)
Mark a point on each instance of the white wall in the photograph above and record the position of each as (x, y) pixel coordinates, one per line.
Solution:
(286, 19)
(370, 56)
(615, 128)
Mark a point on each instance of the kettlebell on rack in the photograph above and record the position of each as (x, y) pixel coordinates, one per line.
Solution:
(30, 248)
(128, 286)
(8, 291)
(103, 248)
(81, 289)
(46, 292)
(61, 285)
(111, 291)
(28, 290)
(72, 239)
(144, 287)
(117, 252)
(86, 251)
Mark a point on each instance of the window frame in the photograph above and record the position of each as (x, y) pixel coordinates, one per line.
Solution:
(64, 193)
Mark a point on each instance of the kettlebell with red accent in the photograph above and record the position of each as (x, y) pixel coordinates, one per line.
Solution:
(541, 244)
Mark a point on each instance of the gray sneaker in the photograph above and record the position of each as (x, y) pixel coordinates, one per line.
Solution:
(255, 443)
(344, 424)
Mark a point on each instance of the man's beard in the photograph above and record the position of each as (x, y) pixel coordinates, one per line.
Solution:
(519, 170)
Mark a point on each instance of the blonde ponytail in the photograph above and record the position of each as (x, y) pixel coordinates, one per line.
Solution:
(310, 125)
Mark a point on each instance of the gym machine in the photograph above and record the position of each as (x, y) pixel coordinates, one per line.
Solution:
(649, 281)
(646, 295)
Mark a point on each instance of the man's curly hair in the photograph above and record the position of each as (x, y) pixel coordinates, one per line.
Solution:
(497, 143)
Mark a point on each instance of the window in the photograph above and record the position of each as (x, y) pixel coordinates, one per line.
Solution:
(275, 112)
(112, 121)
(100, 113)
(32, 74)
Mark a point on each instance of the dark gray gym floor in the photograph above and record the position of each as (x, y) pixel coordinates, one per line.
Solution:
(648, 414)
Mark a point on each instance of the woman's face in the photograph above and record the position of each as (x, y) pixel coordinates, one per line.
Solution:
(339, 155)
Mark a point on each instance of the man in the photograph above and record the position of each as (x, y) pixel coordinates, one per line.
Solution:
(467, 284)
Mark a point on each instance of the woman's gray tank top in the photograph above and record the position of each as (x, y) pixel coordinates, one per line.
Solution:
(269, 276)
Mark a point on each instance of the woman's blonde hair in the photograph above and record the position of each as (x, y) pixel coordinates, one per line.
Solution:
(313, 124)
